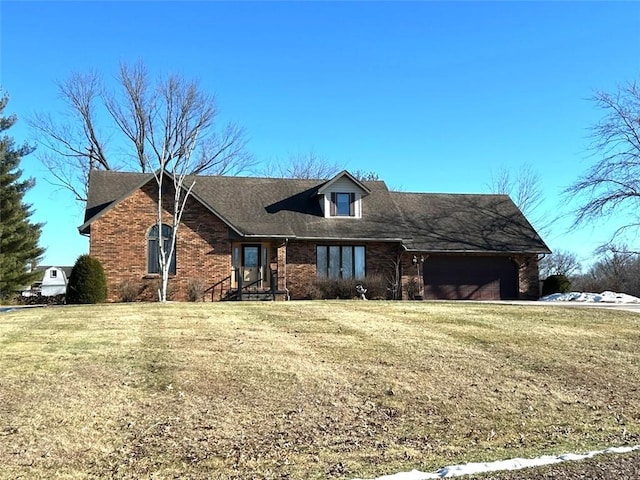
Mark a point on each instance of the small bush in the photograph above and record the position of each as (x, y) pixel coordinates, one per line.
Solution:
(128, 291)
(345, 288)
(332, 288)
(312, 291)
(195, 290)
(149, 290)
(556, 284)
(377, 287)
(87, 282)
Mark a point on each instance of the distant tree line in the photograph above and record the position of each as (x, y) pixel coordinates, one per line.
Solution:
(616, 269)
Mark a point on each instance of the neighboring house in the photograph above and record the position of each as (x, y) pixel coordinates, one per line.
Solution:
(53, 282)
(285, 233)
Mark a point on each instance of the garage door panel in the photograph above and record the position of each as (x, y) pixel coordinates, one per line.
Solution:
(470, 278)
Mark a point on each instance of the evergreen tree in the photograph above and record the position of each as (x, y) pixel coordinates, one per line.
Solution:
(19, 250)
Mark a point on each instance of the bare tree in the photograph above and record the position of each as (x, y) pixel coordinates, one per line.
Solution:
(524, 188)
(559, 263)
(366, 176)
(73, 146)
(616, 269)
(612, 184)
(117, 129)
(167, 127)
(302, 166)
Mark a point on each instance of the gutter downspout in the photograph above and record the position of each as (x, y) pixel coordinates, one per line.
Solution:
(400, 255)
(286, 248)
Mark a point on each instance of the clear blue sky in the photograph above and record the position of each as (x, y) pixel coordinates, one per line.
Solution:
(433, 96)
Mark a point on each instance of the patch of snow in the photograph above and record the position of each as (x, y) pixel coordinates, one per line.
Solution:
(604, 297)
(513, 464)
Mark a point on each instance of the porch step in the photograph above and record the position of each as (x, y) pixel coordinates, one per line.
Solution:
(255, 295)
(261, 296)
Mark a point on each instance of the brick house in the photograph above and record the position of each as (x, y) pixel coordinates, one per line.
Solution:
(279, 235)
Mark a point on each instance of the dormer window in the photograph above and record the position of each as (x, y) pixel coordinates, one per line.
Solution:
(342, 204)
(341, 197)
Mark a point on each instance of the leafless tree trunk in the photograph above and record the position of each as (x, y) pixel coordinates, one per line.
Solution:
(612, 184)
(118, 129)
(180, 113)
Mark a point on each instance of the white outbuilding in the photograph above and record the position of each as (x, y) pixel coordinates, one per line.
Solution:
(53, 282)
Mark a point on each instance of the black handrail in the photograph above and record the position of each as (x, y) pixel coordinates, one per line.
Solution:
(242, 287)
(221, 283)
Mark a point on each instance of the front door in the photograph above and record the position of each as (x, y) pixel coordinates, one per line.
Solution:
(251, 265)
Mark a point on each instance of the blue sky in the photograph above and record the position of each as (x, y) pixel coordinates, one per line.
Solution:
(433, 96)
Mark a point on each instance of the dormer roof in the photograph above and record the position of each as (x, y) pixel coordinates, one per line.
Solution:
(327, 187)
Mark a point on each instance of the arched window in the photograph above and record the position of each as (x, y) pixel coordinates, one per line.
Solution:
(153, 249)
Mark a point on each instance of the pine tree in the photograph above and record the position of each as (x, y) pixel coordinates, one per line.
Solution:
(19, 238)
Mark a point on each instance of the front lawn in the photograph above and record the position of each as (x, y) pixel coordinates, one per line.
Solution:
(308, 389)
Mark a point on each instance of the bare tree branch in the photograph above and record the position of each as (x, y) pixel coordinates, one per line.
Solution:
(302, 166)
(612, 183)
(559, 263)
(146, 124)
(524, 188)
(129, 110)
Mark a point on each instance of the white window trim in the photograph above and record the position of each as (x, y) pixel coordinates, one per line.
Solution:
(357, 206)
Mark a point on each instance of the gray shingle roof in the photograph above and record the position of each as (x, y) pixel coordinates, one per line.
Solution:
(275, 207)
(466, 223)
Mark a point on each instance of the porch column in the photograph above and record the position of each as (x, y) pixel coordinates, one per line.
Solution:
(282, 266)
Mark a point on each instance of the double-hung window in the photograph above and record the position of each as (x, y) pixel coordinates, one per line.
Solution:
(153, 249)
(340, 261)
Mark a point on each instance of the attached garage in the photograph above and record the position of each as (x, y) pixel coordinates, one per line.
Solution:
(475, 247)
(470, 278)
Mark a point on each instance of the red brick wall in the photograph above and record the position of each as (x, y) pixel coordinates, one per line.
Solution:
(529, 276)
(301, 268)
(119, 241)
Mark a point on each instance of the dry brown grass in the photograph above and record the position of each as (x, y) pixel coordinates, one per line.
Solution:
(308, 390)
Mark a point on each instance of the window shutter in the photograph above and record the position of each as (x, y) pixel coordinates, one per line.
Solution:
(333, 204)
(352, 204)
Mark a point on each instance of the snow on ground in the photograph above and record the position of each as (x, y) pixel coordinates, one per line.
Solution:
(514, 464)
(604, 297)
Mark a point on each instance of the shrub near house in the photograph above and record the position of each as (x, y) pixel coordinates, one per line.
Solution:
(87, 283)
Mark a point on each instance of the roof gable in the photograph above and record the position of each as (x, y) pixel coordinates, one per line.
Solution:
(108, 188)
(343, 175)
